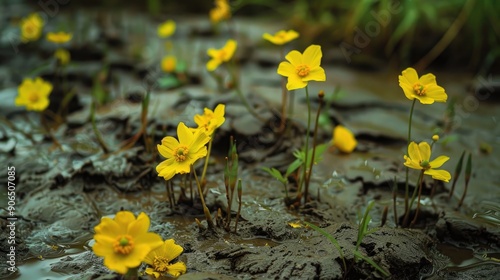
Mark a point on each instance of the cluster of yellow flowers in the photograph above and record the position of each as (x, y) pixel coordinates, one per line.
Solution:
(125, 242)
(190, 146)
(426, 90)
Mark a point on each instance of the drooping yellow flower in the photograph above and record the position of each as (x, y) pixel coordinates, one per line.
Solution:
(210, 120)
(181, 154)
(34, 94)
(281, 37)
(343, 139)
(168, 64)
(302, 68)
(59, 37)
(124, 241)
(222, 55)
(220, 12)
(166, 29)
(425, 88)
(160, 260)
(62, 56)
(31, 28)
(419, 158)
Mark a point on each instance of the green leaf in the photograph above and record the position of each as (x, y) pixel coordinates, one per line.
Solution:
(292, 167)
(332, 240)
(372, 263)
(168, 81)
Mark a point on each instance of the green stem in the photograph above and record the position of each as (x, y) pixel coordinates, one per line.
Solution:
(283, 96)
(205, 166)
(304, 166)
(407, 168)
(208, 217)
(419, 185)
(236, 82)
(418, 202)
(315, 134)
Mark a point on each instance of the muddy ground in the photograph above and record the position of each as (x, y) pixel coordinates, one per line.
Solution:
(63, 193)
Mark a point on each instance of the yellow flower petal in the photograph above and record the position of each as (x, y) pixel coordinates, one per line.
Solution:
(437, 162)
(123, 219)
(427, 79)
(173, 251)
(425, 151)
(185, 135)
(281, 37)
(59, 37)
(177, 269)
(286, 69)
(441, 175)
(295, 82)
(343, 139)
(414, 152)
(312, 56)
(410, 75)
(139, 226)
(168, 143)
(316, 74)
(437, 93)
(150, 271)
(295, 58)
(410, 163)
(213, 64)
(166, 29)
(109, 226)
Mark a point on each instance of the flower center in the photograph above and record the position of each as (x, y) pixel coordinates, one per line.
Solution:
(181, 153)
(303, 70)
(425, 164)
(123, 244)
(33, 97)
(160, 264)
(419, 89)
(222, 55)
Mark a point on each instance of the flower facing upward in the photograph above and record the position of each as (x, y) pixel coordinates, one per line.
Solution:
(419, 158)
(168, 64)
(160, 260)
(166, 29)
(424, 89)
(124, 241)
(343, 139)
(210, 120)
(59, 37)
(222, 55)
(302, 68)
(281, 37)
(181, 154)
(220, 12)
(62, 56)
(34, 94)
(31, 28)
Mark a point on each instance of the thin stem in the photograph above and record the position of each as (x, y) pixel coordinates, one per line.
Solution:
(407, 214)
(304, 167)
(208, 217)
(315, 134)
(283, 97)
(205, 166)
(97, 133)
(234, 78)
(418, 202)
(407, 168)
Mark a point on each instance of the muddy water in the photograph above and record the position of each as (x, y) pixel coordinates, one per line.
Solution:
(63, 194)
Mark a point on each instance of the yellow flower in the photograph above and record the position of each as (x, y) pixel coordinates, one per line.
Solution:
(166, 29)
(31, 28)
(160, 259)
(343, 139)
(180, 155)
(34, 94)
(211, 120)
(281, 37)
(62, 56)
(435, 137)
(168, 64)
(222, 55)
(221, 12)
(124, 241)
(419, 158)
(424, 89)
(302, 68)
(59, 37)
